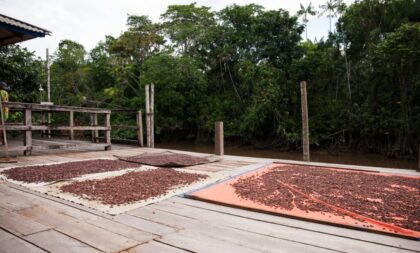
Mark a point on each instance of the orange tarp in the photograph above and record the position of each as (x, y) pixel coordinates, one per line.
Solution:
(224, 193)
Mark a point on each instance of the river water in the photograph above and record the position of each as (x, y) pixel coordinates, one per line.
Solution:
(316, 156)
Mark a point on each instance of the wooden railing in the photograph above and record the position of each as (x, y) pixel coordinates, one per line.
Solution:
(138, 127)
(28, 127)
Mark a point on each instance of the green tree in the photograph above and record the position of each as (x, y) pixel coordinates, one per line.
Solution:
(186, 26)
(397, 61)
(304, 12)
(330, 10)
(68, 73)
(22, 71)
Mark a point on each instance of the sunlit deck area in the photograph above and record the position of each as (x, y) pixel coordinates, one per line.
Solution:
(34, 222)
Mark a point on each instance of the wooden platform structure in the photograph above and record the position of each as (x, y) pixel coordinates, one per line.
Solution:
(32, 222)
(34, 120)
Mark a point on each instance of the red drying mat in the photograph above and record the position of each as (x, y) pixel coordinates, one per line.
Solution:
(287, 198)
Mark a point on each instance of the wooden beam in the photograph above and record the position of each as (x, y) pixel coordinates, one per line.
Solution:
(43, 122)
(218, 138)
(16, 127)
(305, 123)
(108, 132)
(147, 97)
(139, 122)
(152, 116)
(53, 108)
(94, 122)
(28, 133)
(48, 87)
(127, 110)
(71, 125)
(121, 141)
(125, 127)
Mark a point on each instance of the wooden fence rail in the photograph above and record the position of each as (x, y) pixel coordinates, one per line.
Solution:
(28, 127)
(138, 127)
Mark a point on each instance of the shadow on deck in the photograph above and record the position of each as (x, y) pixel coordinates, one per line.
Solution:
(45, 146)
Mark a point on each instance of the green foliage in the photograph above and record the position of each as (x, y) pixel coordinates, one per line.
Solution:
(243, 65)
(22, 72)
(68, 74)
(186, 26)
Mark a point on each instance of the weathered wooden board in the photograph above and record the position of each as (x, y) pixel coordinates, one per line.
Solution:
(154, 247)
(128, 230)
(96, 237)
(226, 234)
(197, 242)
(290, 234)
(327, 230)
(78, 213)
(168, 219)
(145, 225)
(12, 244)
(19, 224)
(54, 241)
(54, 108)
(10, 202)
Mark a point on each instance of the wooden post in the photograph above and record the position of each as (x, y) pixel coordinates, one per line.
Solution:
(48, 89)
(27, 142)
(43, 122)
(48, 76)
(71, 123)
(152, 116)
(148, 139)
(218, 138)
(139, 121)
(305, 123)
(94, 122)
(108, 131)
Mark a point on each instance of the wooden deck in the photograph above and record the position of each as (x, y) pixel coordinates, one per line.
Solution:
(32, 222)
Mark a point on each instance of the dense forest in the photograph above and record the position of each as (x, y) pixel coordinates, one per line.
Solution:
(242, 65)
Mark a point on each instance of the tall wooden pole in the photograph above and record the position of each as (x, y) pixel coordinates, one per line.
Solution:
(139, 120)
(94, 122)
(71, 123)
(152, 116)
(219, 148)
(147, 89)
(27, 141)
(107, 124)
(305, 123)
(48, 76)
(48, 88)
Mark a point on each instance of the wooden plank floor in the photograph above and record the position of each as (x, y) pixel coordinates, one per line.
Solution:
(32, 222)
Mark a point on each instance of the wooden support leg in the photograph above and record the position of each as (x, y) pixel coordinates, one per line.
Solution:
(43, 121)
(218, 138)
(71, 120)
(28, 133)
(49, 125)
(305, 123)
(108, 131)
(139, 128)
(148, 138)
(152, 116)
(94, 122)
